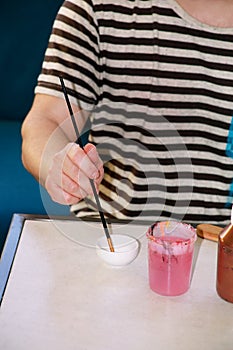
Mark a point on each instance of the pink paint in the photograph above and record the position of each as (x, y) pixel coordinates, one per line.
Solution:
(170, 261)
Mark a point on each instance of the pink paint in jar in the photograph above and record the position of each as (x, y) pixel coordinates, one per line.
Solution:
(170, 256)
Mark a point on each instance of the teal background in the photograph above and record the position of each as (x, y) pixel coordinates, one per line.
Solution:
(25, 27)
(229, 153)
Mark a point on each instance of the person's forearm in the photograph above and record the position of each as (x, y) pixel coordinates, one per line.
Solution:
(41, 141)
(45, 131)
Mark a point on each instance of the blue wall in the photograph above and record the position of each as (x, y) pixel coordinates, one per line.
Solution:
(24, 28)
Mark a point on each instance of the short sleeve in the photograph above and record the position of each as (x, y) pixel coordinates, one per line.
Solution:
(73, 53)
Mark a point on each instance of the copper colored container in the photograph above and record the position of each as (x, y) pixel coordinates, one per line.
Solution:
(224, 283)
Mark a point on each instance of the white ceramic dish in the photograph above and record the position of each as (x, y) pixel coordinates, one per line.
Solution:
(125, 250)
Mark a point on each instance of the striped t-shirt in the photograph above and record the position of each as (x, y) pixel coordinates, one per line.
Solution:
(160, 87)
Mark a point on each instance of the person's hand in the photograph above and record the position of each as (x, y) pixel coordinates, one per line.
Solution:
(68, 179)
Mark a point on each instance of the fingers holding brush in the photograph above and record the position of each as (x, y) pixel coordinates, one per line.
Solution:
(68, 179)
(94, 157)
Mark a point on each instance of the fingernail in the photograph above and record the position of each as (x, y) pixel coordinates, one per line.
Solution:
(95, 175)
(73, 151)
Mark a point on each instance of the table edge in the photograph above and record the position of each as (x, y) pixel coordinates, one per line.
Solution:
(13, 238)
(12, 242)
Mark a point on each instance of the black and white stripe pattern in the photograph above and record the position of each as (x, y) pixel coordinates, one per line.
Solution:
(161, 86)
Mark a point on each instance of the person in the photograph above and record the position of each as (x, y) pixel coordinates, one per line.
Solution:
(154, 79)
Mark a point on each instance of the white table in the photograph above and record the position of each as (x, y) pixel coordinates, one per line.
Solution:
(61, 296)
